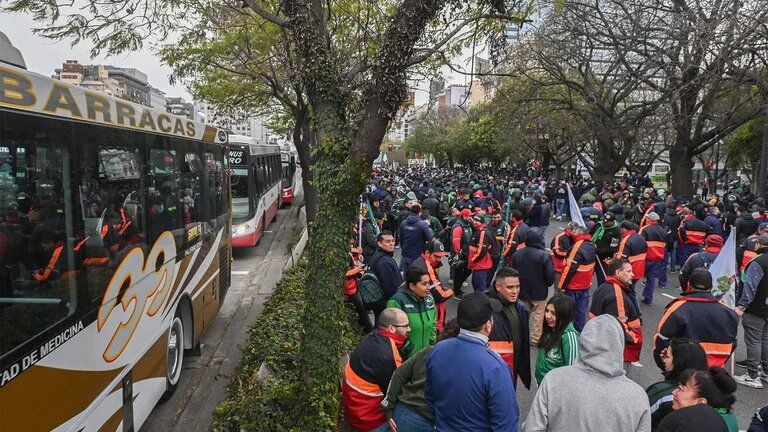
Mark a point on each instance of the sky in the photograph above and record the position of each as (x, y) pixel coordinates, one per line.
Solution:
(44, 56)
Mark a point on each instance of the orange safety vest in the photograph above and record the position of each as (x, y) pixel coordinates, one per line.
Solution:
(637, 261)
(584, 272)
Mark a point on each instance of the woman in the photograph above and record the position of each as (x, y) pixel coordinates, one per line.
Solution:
(414, 299)
(702, 403)
(404, 403)
(559, 343)
(680, 355)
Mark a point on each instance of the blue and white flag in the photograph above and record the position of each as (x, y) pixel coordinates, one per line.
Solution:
(574, 208)
(723, 271)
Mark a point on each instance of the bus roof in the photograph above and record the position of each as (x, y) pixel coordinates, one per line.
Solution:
(31, 92)
(254, 146)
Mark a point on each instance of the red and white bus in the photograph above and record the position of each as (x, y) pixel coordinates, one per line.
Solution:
(288, 160)
(256, 178)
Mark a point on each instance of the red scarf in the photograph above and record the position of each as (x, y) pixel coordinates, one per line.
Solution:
(399, 340)
(613, 280)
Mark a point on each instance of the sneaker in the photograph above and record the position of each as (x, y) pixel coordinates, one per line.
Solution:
(742, 363)
(748, 381)
(646, 301)
(763, 376)
(465, 284)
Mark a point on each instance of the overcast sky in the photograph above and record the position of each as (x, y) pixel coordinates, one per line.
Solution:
(43, 55)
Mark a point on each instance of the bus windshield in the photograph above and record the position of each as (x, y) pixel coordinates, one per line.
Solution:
(241, 205)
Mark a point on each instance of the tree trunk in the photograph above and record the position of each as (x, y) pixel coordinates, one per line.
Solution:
(605, 167)
(303, 137)
(681, 167)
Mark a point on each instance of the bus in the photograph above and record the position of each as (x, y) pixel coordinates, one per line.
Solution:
(256, 193)
(115, 252)
(288, 161)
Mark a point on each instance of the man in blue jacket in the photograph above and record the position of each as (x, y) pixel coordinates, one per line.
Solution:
(414, 234)
(385, 268)
(468, 386)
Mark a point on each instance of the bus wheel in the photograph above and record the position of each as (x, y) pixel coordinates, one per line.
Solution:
(175, 360)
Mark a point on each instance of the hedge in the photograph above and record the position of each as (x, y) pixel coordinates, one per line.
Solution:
(269, 402)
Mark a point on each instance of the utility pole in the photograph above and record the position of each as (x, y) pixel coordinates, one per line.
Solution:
(762, 171)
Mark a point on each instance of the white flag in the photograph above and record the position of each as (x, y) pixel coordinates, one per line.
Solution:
(574, 208)
(723, 271)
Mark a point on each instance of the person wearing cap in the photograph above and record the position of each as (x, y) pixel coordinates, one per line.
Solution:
(469, 386)
(537, 274)
(752, 305)
(464, 201)
(747, 250)
(500, 230)
(518, 232)
(369, 370)
(510, 336)
(577, 274)
(430, 261)
(461, 236)
(691, 235)
(481, 250)
(704, 259)
(657, 240)
(559, 248)
(613, 402)
(606, 236)
(698, 315)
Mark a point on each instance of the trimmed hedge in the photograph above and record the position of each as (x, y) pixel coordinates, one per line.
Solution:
(270, 402)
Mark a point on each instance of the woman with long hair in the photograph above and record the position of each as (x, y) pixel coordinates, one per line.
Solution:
(702, 402)
(559, 343)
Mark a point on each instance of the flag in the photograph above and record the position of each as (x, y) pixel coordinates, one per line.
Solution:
(574, 208)
(723, 271)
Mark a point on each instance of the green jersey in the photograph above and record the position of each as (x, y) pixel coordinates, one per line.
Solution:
(563, 354)
(421, 318)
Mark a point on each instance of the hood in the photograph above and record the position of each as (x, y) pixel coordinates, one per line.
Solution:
(412, 219)
(601, 347)
(532, 239)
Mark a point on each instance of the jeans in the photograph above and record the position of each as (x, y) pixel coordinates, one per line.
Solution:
(685, 251)
(480, 279)
(383, 428)
(460, 275)
(407, 420)
(560, 204)
(673, 258)
(756, 340)
(653, 272)
(581, 298)
(663, 272)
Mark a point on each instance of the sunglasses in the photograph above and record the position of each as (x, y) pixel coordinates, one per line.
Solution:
(401, 325)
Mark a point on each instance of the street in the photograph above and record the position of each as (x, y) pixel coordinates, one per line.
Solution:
(748, 400)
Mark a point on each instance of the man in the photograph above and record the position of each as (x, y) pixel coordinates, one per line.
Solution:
(468, 386)
(510, 336)
(753, 308)
(692, 233)
(370, 367)
(518, 232)
(481, 249)
(561, 196)
(499, 229)
(464, 202)
(385, 268)
(745, 224)
(537, 273)
(633, 248)
(431, 203)
(429, 261)
(699, 316)
(461, 236)
(614, 298)
(578, 272)
(712, 246)
(657, 240)
(606, 237)
(713, 220)
(613, 402)
(559, 248)
(747, 250)
(414, 232)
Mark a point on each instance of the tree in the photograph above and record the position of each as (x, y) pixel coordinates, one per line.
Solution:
(348, 124)
(744, 145)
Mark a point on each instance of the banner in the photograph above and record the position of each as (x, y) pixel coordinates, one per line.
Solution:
(723, 271)
(574, 208)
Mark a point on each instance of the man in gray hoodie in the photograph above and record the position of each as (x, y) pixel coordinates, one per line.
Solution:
(593, 394)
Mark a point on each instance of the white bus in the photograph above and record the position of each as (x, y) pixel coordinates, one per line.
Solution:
(115, 252)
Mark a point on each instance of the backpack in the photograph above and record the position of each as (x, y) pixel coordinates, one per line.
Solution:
(369, 287)
(445, 236)
(494, 248)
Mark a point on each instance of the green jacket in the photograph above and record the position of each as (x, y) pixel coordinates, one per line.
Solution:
(407, 386)
(564, 354)
(421, 317)
(730, 419)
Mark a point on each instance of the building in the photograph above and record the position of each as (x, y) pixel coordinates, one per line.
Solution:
(157, 99)
(128, 83)
(454, 95)
(180, 107)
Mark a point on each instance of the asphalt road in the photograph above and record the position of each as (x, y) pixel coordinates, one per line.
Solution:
(748, 400)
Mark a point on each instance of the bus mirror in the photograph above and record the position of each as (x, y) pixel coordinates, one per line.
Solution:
(261, 176)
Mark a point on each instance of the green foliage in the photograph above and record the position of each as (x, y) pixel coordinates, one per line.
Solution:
(743, 146)
(275, 341)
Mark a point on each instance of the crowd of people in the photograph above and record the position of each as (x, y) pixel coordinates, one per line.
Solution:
(417, 371)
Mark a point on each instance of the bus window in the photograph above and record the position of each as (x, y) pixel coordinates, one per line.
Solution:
(164, 207)
(216, 187)
(191, 187)
(38, 257)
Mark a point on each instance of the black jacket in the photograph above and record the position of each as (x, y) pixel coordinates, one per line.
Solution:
(745, 226)
(537, 272)
(433, 205)
(387, 271)
(695, 418)
(502, 332)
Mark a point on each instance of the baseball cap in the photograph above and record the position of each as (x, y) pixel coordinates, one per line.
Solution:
(478, 218)
(475, 309)
(762, 239)
(609, 217)
(713, 240)
(466, 213)
(701, 279)
(763, 226)
(436, 247)
(653, 216)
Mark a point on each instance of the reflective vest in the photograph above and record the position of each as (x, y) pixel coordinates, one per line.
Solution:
(584, 272)
(656, 241)
(511, 240)
(637, 260)
(557, 253)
